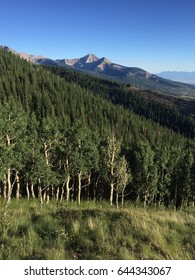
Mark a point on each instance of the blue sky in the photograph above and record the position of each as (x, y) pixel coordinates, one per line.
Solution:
(154, 35)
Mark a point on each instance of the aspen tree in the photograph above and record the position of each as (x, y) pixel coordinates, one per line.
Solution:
(124, 177)
(112, 155)
(12, 129)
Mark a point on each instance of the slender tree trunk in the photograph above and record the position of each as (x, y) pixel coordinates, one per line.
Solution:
(46, 154)
(159, 200)
(47, 195)
(5, 188)
(44, 193)
(68, 189)
(62, 193)
(27, 191)
(111, 192)
(79, 188)
(40, 194)
(182, 202)
(113, 148)
(145, 199)
(57, 193)
(9, 186)
(17, 186)
(32, 190)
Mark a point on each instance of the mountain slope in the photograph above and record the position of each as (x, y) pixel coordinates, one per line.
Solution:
(41, 112)
(170, 111)
(102, 67)
(138, 77)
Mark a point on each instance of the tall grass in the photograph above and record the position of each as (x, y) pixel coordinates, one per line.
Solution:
(94, 231)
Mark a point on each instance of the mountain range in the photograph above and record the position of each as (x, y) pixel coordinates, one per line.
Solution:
(179, 76)
(103, 67)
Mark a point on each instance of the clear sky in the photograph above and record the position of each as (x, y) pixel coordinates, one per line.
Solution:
(155, 35)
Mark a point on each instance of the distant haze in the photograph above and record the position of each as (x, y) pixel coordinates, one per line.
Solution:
(179, 76)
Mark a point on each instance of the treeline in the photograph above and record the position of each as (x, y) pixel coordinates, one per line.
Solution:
(60, 141)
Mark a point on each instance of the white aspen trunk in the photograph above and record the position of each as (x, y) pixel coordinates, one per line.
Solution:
(57, 193)
(112, 154)
(146, 198)
(79, 188)
(40, 194)
(122, 198)
(44, 195)
(47, 195)
(27, 191)
(5, 188)
(32, 190)
(46, 154)
(111, 179)
(111, 192)
(68, 189)
(111, 182)
(9, 186)
(17, 186)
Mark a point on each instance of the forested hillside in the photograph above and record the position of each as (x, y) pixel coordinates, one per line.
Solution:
(169, 111)
(67, 139)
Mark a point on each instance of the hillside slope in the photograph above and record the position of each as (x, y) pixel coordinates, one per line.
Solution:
(57, 130)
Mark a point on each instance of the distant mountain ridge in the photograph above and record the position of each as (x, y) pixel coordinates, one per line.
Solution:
(103, 67)
(89, 62)
(179, 76)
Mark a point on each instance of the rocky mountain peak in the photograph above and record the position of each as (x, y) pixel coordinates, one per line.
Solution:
(89, 58)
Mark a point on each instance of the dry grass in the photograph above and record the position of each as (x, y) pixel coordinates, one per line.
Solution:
(95, 231)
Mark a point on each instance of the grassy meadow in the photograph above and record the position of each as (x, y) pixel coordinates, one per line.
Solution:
(94, 231)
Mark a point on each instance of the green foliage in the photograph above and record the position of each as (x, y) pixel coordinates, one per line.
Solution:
(54, 126)
(145, 170)
(168, 111)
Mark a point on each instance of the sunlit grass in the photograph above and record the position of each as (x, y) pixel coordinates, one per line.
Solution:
(94, 231)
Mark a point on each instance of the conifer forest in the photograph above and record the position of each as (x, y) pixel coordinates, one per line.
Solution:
(67, 136)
